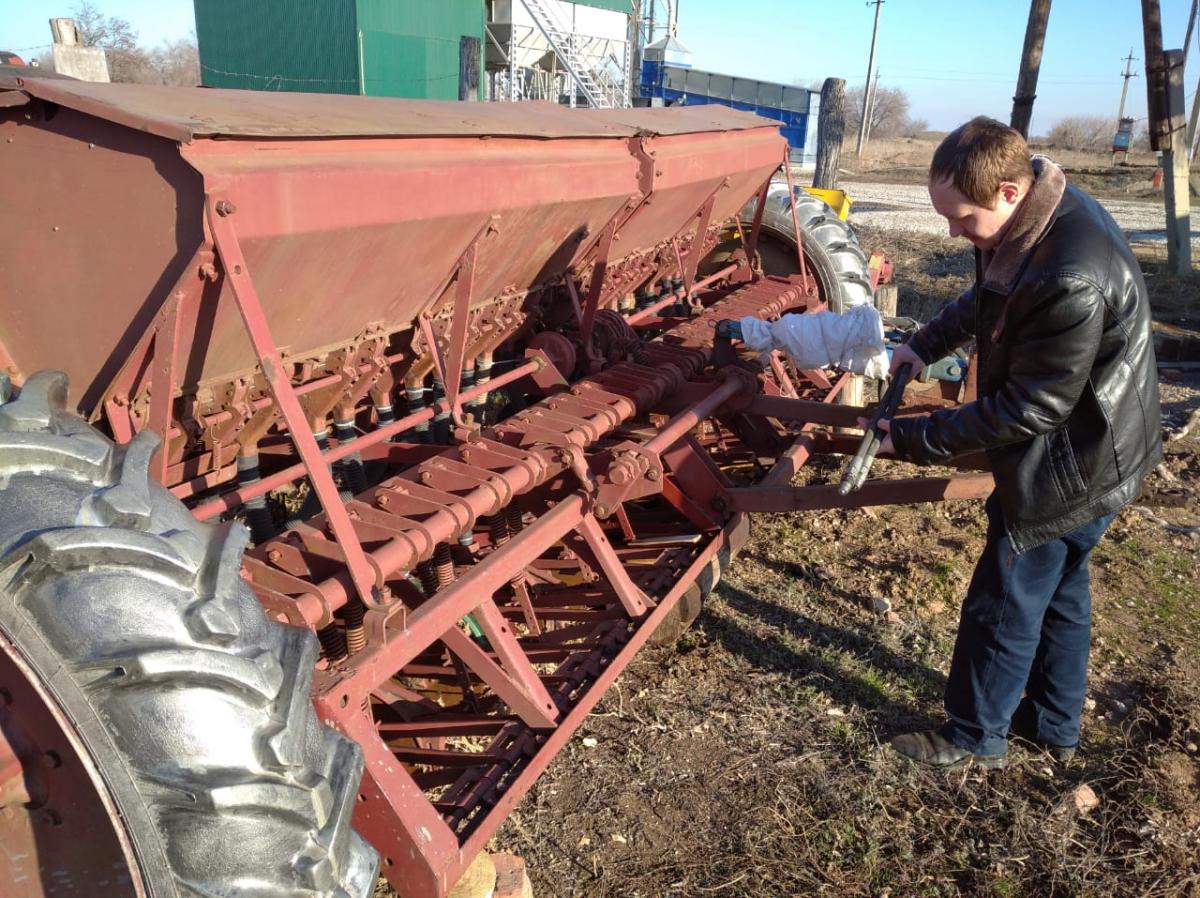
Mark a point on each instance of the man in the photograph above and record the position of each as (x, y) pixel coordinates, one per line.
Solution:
(1068, 413)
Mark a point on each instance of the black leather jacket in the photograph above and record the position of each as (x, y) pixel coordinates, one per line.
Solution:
(1068, 407)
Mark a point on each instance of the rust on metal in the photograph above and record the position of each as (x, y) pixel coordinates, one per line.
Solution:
(441, 295)
(60, 832)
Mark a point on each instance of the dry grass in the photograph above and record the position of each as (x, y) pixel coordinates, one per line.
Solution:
(751, 761)
(918, 152)
(905, 160)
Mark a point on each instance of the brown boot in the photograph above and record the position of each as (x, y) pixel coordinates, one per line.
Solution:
(933, 749)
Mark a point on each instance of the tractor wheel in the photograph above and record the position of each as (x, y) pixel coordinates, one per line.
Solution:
(831, 250)
(136, 662)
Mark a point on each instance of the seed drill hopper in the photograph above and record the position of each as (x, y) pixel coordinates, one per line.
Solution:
(440, 379)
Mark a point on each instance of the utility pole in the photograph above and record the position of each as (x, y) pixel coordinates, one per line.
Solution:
(870, 111)
(862, 126)
(1187, 43)
(1129, 73)
(1031, 62)
(1187, 39)
(1168, 133)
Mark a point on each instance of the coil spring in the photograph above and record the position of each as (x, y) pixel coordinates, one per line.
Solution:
(497, 528)
(333, 642)
(427, 574)
(356, 633)
(437, 572)
(516, 520)
(444, 564)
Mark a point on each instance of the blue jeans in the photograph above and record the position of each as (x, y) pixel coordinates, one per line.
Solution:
(1025, 627)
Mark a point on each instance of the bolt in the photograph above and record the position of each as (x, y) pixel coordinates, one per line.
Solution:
(652, 474)
(382, 501)
(224, 207)
(426, 476)
(274, 556)
(602, 511)
(208, 271)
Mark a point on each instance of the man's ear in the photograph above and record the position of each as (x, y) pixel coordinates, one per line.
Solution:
(1010, 192)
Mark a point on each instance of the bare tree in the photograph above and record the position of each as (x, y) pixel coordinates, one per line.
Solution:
(118, 39)
(889, 113)
(176, 63)
(1082, 132)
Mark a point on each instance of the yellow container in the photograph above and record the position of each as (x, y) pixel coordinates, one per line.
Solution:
(837, 200)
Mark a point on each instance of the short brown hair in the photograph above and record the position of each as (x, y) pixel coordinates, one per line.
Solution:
(979, 156)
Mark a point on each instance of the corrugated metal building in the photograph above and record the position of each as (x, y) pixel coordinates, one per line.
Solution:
(384, 48)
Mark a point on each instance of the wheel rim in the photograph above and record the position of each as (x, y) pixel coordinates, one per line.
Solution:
(58, 826)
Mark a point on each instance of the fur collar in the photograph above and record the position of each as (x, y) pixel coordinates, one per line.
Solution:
(1003, 266)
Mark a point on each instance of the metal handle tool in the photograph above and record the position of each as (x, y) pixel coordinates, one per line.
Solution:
(860, 465)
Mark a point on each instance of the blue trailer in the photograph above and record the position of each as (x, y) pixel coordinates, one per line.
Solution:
(670, 83)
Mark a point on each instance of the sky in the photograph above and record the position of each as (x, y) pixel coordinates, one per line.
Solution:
(954, 58)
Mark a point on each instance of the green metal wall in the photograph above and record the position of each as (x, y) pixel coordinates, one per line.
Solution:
(410, 48)
(278, 45)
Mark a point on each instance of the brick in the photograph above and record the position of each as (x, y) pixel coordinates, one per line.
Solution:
(511, 879)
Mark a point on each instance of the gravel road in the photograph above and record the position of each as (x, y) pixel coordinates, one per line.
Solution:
(905, 207)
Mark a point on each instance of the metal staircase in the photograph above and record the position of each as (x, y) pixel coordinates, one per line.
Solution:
(598, 87)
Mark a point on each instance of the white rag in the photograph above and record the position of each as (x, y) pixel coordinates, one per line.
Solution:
(852, 340)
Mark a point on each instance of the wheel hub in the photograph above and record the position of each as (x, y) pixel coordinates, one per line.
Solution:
(58, 832)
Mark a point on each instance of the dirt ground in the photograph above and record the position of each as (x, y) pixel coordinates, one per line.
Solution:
(906, 161)
(751, 759)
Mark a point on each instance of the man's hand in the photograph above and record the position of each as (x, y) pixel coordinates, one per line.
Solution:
(902, 354)
(885, 445)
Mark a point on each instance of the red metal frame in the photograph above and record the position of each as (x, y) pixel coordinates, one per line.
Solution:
(428, 839)
(218, 219)
(474, 606)
(798, 232)
(354, 561)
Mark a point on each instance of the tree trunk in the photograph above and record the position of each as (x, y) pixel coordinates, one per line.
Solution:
(831, 129)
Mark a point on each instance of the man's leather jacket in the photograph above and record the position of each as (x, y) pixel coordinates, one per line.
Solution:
(1067, 406)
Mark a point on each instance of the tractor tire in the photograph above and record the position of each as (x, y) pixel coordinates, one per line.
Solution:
(192, 705)
(831, 250)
